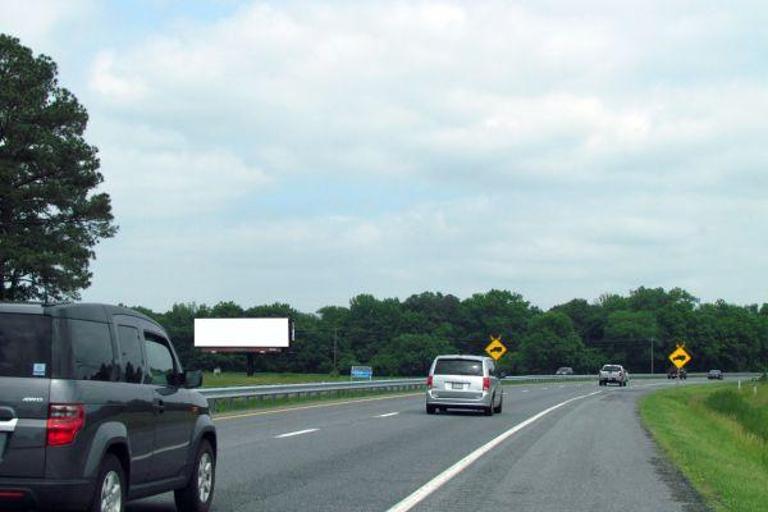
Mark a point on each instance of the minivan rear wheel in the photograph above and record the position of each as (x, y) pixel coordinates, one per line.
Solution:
(197, 496)
(497, 410)
(110, 486)
(431, 409)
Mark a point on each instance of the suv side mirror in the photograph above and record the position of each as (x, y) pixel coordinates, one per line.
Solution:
(193, 379)
(502, 374)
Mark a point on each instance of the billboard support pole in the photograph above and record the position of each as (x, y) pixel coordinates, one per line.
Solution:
(249, 365)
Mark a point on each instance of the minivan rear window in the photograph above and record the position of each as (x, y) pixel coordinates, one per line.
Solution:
(611, 368)
(458, 367)
(25, 345)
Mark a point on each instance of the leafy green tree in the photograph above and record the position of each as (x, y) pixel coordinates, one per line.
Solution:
(409, 354)
(332, 321)
(50, 217)
(628, 337)
(729, 337)
(496, 312)
(551, 342)
(371, 323)
(588, 319)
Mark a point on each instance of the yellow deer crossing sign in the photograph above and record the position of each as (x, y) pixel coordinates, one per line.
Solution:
(680, 357)
(496, 348)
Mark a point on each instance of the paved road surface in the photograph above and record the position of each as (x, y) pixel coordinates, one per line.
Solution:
(589, 454)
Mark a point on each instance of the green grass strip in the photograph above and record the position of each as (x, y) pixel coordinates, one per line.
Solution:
(712, 440)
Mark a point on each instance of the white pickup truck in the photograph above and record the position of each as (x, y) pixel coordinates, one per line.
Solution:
(613, 373)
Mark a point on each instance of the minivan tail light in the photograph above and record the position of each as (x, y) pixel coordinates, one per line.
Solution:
(486, 383)
(429, 382)
(64, 422)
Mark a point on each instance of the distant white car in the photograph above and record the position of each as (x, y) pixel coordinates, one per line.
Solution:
(613, 373)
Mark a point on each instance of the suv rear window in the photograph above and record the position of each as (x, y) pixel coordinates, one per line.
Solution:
(611, 368)
(25, 345)
(459, 367)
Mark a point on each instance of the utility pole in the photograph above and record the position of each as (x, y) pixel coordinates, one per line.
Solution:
(652, 340)
(335, 344)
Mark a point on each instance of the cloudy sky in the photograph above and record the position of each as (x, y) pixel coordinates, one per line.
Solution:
(306, 152)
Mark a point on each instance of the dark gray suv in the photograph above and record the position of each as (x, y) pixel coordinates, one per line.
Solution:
(95, 410)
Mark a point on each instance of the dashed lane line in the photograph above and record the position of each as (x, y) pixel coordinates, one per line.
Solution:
(297, 433)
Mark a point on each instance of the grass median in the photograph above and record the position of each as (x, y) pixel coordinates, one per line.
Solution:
(226, 379)
(718, 436)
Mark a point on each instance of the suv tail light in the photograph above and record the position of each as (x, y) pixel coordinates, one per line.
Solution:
(486, 383)
(64, 422)
(429, 382)
(12, 494)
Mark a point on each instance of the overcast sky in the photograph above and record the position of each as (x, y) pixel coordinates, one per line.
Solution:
(305, 152)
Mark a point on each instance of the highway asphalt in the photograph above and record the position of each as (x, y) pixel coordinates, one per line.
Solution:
(588, 454)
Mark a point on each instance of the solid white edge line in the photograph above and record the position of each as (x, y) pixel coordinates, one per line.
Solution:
(387, 415)
(297, 433)
(416, 497)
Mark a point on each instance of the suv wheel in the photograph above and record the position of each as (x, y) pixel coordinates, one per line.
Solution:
(198, 494)
(430, 409)
(110, 488)
(488, 411)
(497, 410)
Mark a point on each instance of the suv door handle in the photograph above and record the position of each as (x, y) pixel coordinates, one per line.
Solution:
(159, 406)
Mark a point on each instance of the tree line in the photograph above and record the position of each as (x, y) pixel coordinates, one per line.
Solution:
(401, 337)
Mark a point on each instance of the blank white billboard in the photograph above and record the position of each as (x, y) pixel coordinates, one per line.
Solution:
(247, 333)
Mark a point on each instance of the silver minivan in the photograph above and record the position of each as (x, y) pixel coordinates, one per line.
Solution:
(464, 382)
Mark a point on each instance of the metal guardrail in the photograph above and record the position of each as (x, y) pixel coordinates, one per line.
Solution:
(317, 388)
(314, 388)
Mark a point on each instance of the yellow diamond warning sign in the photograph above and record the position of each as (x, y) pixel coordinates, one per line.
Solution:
(496, 348)
(680, 357)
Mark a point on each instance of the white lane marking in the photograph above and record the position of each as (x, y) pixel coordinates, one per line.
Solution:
(560, 387)
(545, 389)
(524, 390)
(440, 480)
(387, 415)
(297, 433)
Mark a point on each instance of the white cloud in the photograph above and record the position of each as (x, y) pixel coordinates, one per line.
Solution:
(153, 174)
(556, 148)
(120, 89)
(39, 22)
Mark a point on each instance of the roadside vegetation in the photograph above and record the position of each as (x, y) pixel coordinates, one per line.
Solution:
(718, 436)
(224, 379)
